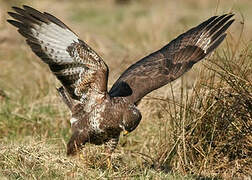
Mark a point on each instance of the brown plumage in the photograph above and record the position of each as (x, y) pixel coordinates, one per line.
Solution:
(99, 116)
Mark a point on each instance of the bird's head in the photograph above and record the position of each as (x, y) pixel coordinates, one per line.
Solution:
(130, 123)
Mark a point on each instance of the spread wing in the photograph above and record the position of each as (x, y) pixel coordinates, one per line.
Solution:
(171, 61)
(73, 62)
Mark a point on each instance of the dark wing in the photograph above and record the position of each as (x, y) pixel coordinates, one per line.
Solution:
(73, 62)
(171, 61)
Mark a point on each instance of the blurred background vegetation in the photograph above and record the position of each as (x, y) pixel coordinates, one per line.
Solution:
(199, 126)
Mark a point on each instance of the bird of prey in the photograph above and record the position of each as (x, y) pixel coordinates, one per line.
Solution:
(98, 116)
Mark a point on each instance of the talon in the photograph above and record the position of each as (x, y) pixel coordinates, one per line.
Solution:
(109, 164)
(82, 157)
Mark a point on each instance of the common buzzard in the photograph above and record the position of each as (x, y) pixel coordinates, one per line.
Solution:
(99, 116)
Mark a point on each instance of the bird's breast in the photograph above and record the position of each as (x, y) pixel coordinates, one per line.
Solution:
(105, 118)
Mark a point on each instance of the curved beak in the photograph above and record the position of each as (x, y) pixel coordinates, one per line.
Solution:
(125, 132)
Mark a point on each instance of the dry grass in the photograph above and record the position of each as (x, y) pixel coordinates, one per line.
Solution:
(197, 127)
(211, 126)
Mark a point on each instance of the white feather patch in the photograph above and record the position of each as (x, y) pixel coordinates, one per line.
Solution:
(73, 120)
(54, 41)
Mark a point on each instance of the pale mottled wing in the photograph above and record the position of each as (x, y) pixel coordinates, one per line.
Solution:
(73, 62)
(171, 61)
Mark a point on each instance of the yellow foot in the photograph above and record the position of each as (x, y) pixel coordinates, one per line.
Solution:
(109, 164)
(82, 157)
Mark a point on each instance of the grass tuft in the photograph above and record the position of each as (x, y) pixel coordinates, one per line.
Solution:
(210, 127)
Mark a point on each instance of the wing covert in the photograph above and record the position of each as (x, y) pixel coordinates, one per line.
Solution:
(73, 62)
(173, 60)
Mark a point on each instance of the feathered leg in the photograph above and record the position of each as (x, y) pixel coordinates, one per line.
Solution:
(111, 145)
(78, 139)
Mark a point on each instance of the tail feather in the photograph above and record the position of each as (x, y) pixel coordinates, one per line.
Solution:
(65, 97)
